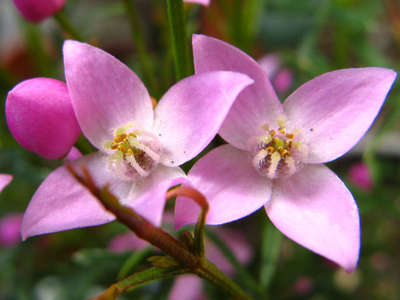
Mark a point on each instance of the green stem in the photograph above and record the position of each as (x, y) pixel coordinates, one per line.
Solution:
(270, 248)
(142, 51)
(67, 26)
(132, 261)
(180, 45)
(138, 279)
(157, 237)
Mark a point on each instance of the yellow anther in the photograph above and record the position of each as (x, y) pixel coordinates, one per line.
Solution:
(270, 149)
(120, 138)
(289, 144)
(132, 134)
(281, 121)
(272, 132)
(114, 146)
(290, 135)
(275, 140)
(282, 130)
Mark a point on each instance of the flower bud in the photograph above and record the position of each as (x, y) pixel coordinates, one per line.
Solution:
(9, 230)
(38, 10)
(41, 118)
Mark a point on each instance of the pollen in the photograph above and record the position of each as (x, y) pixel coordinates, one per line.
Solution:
(278, 153)
(135, 152)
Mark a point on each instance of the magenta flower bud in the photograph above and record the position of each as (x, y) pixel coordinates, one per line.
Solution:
(202, 2)
(360, 176)
(9, 230)
(38, 10)
(40, 117)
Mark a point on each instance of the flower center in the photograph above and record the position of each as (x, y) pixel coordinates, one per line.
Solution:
(278, 153)
(135, 152)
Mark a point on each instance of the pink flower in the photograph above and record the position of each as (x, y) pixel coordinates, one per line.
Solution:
(276, 152)
(360, 176)
(281, 78)
(38, 10)
(40, 117)
(10, 226)
(203, 2)
(5, 179)
(139, 149)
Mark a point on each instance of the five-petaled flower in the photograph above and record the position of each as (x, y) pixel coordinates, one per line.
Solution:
(139, 149)
(276, 152)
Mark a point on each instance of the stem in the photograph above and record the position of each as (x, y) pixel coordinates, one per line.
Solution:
(202, 201)
(142, 51)
(132, 261)
(270, 248)
(67, 26)
(138, 279)
(180, 45)
(157, 237)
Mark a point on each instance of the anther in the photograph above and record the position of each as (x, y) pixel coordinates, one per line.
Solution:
(282, 130)
(272, 132)
(290, 135)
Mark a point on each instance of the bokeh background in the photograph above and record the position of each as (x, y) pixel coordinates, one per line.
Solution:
(306, 38)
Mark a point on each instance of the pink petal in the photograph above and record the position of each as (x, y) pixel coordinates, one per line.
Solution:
(149, 198)
(61, 203)
(5, 179)
(315, 209)
(231, 185)
(73, 154)
(38, 10)
(270, 64)
(188, 287)
(334, 110)
(105, 93)
(190, 114)
(40, 117)
(126, 242)
(283, 81)
(203, 2)
(255, 106)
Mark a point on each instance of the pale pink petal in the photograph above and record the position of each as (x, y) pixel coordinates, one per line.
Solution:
(203, 2)
(238, 244)
(334, 110)
(38, 10)
(5, 179)
(190, 114)
(126, 242)
(73, 154)
(255, 106)
(105, 93)
(148, 199)
(187, 287)
(231, 185)
(315, 209)
(40, 117)
(270, 64)
(61, 203)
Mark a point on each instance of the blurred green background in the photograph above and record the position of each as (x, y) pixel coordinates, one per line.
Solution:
(310, 37)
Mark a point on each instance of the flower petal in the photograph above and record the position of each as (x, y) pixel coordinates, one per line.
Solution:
(190, 114)
(231, 185)
(315, 209)
(203, 2)
(335, 109)
(255, 106)
(38, 10)
(5, 179)
(62, 203)
(148, 198)
(126, 242)
(188, 287)
(105, 93)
